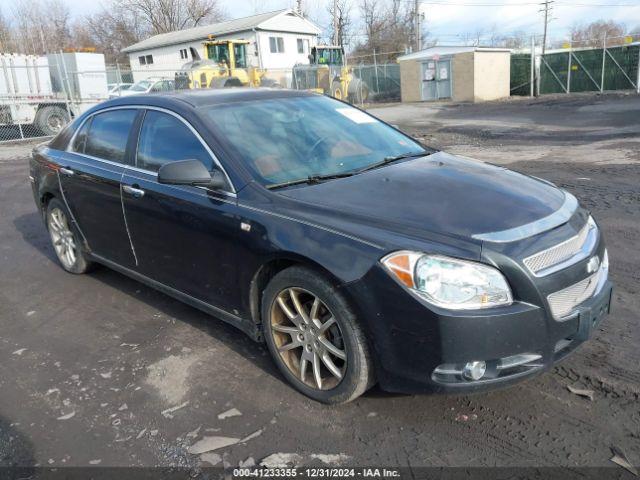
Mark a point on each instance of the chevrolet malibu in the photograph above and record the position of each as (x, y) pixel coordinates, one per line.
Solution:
(358, 255)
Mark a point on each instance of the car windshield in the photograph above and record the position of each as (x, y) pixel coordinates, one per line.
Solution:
(289, 139)
(141, 86)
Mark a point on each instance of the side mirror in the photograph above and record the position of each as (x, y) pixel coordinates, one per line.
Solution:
(191, 172)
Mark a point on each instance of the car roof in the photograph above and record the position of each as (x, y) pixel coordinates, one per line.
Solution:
(205, 97)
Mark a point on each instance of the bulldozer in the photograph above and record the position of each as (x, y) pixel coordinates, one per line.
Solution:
(328, 73)
(224, 65)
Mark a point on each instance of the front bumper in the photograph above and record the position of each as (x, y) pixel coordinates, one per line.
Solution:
(411, 341)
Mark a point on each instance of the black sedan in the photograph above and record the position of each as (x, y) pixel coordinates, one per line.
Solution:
(357, 254)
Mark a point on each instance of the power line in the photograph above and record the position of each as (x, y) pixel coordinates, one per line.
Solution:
(525, 4)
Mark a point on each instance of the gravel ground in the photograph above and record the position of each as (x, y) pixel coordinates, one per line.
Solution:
(100, 370)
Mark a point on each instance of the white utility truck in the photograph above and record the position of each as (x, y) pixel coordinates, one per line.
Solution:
(47, 91)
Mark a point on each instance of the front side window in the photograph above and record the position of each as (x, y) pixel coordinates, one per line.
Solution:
(164, 139)
(240, 53)
(288, 139)
(149, 59)
(219, 53)
(108, 135)
(142, 60)
(276, 44)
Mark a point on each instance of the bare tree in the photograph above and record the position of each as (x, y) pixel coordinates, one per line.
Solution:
(42, 26)
(343, 9)
(7, 43)
(164, 16)
(592, 34)
(388, 28)
(112, 30)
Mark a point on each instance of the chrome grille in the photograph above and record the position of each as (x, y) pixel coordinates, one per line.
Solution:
(563, 302)
(565, 253)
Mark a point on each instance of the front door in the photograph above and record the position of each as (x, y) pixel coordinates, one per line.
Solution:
(436, 79)
(183, 237)
(90, 177)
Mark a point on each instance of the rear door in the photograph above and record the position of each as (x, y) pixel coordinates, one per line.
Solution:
(183, 237)
(90, 174)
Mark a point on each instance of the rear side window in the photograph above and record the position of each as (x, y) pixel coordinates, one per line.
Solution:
(164, 139)
(80, 140)
(108, 135)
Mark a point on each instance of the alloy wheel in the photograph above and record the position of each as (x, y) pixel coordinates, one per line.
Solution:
(308, 338)
(62, 238)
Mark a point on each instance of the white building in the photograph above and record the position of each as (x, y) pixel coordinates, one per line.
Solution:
(278, 40)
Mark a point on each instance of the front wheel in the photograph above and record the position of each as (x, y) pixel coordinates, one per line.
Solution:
(336, 90)
(314, 337)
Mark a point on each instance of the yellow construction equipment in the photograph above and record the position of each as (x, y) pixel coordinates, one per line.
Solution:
(224, 65)
(328, 73)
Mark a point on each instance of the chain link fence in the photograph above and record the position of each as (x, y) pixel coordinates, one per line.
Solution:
(574, 69)
(38, 98)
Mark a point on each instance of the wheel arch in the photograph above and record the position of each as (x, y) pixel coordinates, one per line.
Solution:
(270, 268)
(47, 191)
(63, 105)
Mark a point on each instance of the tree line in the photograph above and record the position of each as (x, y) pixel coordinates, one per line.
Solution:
(386, 27)
(46, 26)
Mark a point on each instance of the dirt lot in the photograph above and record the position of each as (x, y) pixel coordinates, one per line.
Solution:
(100, 370)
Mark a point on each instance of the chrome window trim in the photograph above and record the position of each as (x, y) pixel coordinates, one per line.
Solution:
(231, 193)
(585, 250)
(557, 218)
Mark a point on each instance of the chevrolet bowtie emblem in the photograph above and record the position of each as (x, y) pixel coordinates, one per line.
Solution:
(593, 265)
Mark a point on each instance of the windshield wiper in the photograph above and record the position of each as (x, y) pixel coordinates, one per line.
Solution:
(313, 179)
(310, 180)
(388, 160)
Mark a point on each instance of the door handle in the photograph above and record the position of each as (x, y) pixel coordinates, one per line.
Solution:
(66, 171)
(134, 192)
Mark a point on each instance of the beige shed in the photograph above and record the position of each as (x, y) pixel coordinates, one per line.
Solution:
(462, 74)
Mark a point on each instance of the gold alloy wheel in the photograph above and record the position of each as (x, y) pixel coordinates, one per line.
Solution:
(62, 238)
(308, 338)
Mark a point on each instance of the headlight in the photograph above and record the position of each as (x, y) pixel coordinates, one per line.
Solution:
(448, 282)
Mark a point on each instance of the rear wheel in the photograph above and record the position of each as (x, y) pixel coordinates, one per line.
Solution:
(65, 239)
(314, 337)
(51, 120)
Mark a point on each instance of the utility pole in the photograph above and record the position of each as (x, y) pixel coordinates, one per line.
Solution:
(546, 4)
(417, 25)
(299, 7)
(336, 37)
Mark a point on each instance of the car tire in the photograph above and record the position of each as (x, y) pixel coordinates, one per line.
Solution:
(51, 120)
(316, 337)
(336, 91)
(65, 239)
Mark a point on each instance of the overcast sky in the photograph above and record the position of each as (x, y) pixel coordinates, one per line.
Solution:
(445, 19)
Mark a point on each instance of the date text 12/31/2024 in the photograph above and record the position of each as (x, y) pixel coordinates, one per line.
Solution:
(316, 472)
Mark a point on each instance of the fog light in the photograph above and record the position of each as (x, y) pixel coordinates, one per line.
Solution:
(474, 370)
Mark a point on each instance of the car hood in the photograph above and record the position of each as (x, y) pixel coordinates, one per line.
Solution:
(440, 193)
